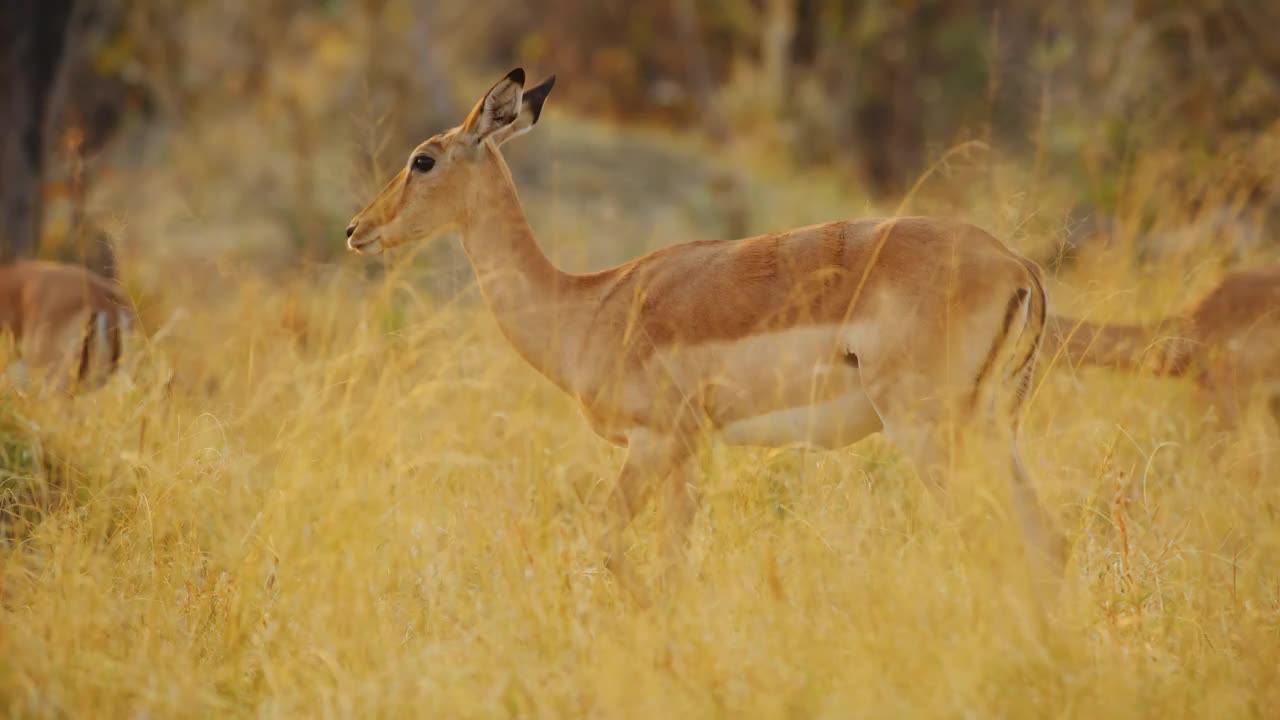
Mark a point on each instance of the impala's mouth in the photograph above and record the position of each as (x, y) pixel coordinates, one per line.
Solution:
(366, 246)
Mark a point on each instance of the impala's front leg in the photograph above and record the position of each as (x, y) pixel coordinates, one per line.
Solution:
(650, 458)
(678, 506)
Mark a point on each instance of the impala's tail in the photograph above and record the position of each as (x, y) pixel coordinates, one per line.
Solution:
(1012, 359)
(1123, 346)
(1029, 344)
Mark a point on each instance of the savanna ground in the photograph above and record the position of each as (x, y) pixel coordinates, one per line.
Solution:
(329, 491)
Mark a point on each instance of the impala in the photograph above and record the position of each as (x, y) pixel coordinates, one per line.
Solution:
(62, 318)
(1229, 342)
(817, 336)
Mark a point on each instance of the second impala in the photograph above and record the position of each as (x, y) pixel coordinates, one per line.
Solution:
(821, 335)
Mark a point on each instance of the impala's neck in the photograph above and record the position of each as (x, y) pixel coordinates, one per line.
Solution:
(527, 294)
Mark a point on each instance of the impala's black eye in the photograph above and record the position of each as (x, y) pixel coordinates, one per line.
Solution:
(423, 163)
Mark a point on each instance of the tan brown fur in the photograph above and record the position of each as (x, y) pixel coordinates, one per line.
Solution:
(900, 324)
(1229, 342)
(50, 311)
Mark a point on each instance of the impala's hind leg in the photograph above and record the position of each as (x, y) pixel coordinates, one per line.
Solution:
(941, 431)
(1043, 537)
(915, 417)
(919, 429)
(937, 450)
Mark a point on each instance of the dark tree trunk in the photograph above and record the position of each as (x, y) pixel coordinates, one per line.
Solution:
(32, 40)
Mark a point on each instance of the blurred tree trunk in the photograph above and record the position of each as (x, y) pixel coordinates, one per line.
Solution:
(89, 105)
(700, 79)
(888, 126)
(32, 41)
(724, 186)
(776, 39)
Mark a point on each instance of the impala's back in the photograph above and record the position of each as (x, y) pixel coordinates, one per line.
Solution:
(760, 326)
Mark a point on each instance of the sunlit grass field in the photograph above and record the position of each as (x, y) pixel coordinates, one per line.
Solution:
(330, 492)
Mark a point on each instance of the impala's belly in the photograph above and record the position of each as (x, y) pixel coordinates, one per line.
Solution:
(837, 422)
(796, 386)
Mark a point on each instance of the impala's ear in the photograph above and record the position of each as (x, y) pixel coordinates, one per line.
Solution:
(530, 111)
(497, 109)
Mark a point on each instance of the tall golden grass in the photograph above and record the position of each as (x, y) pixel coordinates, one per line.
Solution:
(320, 493)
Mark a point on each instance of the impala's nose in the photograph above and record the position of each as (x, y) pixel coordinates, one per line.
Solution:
(351, 230)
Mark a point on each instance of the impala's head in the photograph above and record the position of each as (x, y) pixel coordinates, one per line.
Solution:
(432, 192)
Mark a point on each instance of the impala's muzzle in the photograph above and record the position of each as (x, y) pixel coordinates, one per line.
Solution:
(361, 242)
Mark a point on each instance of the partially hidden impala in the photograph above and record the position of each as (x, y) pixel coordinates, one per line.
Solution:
(65, 322)
(920, 327)
(1228, 342)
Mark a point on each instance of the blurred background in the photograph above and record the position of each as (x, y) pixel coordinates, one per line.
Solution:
(324, 485)
(178, 133)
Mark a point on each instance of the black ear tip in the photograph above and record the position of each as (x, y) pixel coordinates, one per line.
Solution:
(516, 76)
(536, 96)
(543, 88)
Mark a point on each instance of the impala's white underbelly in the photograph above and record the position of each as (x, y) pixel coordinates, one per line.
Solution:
(834, 423)
(796, 386)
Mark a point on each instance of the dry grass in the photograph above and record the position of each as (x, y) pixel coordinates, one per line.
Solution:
(333, 496)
